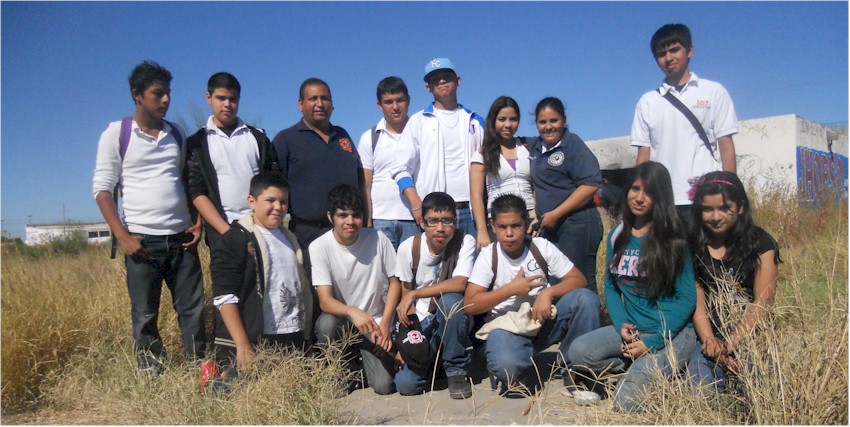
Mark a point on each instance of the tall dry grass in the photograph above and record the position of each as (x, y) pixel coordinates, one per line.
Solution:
(67, 356)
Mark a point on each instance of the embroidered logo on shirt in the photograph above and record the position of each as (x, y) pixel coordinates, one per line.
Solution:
(702, 103)
(557, 158)
(345, 144)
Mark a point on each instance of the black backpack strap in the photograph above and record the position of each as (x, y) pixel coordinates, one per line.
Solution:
(417, 241)
(495, 262)
(691, 118)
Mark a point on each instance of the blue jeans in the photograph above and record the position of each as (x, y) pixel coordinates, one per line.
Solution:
(465, 222)
(397, 230)
(181, 270)
(453, 332)
(377, 365)
(599, 351)
(509, 355)
(704, 373)
(578, 236)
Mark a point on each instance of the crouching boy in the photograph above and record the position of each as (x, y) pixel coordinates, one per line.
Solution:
(433, 268)
(260, 287)
(351, 267)
(512, 271)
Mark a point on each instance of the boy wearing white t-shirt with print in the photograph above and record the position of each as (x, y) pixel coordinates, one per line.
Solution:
(351, 265)
(520, 278)
(435, 295)
(260, 287)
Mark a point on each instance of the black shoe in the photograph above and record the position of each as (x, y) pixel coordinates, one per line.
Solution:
(459, 387)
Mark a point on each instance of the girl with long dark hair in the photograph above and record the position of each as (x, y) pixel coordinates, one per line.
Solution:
(500, 167)
(649, 291)
(736, 262)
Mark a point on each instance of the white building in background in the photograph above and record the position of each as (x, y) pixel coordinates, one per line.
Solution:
(780, 150)
(93, 232)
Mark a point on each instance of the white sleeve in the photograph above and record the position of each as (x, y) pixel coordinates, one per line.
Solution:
(221, 300)
(482, 270)
(466, 258)
(559, 264)
(477, 157)
(387, 254)
(107, 168)
(406, 153)
(321, 270)
(404, 260)
(725, 120)
(364, 148)
(640, 126)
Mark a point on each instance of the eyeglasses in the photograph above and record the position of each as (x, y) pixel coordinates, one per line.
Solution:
(432, 222)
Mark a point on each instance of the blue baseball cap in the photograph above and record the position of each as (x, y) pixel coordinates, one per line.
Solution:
(438, 64)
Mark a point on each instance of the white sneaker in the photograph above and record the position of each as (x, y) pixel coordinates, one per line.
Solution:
(585, 398)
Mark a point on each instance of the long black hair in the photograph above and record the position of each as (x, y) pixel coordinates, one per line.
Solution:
(742, 239)
(491, 147)
(664, 247)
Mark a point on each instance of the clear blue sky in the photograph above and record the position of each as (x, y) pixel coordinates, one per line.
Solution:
(65, 67)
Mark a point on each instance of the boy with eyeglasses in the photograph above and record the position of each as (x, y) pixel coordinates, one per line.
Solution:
(432, 291)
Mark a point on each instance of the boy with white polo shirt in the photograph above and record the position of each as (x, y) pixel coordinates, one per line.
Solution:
(687, 124)
(223, 156)
(351, 266)
(142, 157)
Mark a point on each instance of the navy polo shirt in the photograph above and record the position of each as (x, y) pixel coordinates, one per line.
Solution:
(558, 172)
(314, 167)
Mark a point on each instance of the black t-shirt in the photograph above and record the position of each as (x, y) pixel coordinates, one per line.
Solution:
(744, 276)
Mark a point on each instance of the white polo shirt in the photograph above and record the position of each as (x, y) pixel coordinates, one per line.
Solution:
(673, 140)
(236, 159)
(387, 202)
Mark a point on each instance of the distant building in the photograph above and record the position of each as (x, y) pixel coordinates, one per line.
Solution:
(92, 232)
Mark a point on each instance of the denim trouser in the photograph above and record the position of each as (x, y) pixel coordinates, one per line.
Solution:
(181, 270)
(578, 236)
(377, 365)
(509, 355)
(454, 334)
(465, 222)
(397, 230)
(599, 351)
(705, 373)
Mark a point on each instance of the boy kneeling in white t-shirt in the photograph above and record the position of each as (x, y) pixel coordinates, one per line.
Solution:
(435, 295)
(351, 266)
(519, 278)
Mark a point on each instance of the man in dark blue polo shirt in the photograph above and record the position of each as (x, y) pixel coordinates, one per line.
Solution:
(315, 156)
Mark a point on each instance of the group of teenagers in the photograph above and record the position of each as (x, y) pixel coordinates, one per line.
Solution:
(439, 233)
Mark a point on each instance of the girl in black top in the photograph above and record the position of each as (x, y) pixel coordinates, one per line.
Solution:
(735, 262)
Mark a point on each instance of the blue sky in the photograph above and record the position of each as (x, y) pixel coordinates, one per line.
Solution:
(65, 66)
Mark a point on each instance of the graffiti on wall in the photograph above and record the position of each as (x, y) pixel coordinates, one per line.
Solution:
(820, 173)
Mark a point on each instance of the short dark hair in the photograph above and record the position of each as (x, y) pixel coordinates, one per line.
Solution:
(669, 34)
(312, 81)
(223, 80)
(509, 203)
(439, 202)
(344, 197)
(145, 74)
(392, 85)
(265, 179)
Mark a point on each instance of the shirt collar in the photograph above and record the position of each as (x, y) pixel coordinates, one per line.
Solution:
(692, 81)
(213, 128)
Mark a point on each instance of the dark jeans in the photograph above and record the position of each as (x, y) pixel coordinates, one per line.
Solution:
(181, 270)
(578, 236)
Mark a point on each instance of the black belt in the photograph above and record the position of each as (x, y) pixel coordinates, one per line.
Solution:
(317, 224)
(462, 205)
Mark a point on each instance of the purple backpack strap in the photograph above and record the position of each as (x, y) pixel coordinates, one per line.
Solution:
(176, 133)
(124, 136)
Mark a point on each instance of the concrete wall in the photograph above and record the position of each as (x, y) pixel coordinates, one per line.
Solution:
(787, 151)
(41, 234)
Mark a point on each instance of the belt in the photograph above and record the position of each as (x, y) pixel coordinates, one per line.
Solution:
(462, 205)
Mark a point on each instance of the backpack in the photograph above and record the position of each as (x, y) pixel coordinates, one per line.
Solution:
(535, 252)
(123, 143)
